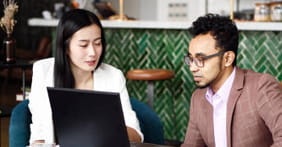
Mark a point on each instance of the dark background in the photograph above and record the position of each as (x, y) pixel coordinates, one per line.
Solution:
(28, 37)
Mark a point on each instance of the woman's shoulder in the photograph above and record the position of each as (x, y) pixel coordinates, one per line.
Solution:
(44, 64)
(46, 61)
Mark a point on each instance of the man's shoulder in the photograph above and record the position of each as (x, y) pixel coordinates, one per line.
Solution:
(255, 77)
(253, 81)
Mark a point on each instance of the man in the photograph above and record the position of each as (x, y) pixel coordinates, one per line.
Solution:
(232, 107)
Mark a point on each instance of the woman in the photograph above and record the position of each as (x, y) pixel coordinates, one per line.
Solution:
(80, 49)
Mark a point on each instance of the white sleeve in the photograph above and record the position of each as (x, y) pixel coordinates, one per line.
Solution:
(129, 115)
(39, 105)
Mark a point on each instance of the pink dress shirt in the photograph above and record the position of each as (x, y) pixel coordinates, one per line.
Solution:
(219, 102)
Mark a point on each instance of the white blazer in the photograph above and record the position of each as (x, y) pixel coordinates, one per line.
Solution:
(106, 78)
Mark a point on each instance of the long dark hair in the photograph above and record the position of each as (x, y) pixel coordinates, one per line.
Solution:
(70, 23)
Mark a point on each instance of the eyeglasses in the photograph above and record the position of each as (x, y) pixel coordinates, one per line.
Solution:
(199, 61)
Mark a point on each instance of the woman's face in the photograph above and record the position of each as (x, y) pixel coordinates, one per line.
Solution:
(85, 48)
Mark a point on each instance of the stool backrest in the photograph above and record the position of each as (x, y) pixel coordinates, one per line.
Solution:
(19, 131)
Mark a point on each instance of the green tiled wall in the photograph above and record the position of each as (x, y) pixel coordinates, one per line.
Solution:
(156, 48)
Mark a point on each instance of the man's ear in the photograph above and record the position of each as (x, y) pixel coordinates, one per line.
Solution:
(229, 58)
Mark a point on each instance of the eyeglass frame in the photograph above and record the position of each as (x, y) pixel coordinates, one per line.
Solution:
(188, 62)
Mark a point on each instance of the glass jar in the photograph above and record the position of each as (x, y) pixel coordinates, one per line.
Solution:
(262, 10)
(276, 10)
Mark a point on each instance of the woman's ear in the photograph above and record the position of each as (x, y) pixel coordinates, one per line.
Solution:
(229, 58)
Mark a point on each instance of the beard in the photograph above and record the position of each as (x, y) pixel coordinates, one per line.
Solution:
(205, 85)
(197, 83)
(202, 87)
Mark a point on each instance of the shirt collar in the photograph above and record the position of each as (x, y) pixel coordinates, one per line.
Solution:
(223, 92)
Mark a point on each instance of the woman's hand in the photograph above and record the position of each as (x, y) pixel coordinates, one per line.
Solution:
(133, 136)
(37, 141)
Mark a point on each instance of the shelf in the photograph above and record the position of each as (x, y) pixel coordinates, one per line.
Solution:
(244, 26)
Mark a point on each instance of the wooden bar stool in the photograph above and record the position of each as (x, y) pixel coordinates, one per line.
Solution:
(150, 75)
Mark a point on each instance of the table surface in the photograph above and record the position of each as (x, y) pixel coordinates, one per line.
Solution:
(23, 65)
(17, 64)
(133, 144)
(5, 111)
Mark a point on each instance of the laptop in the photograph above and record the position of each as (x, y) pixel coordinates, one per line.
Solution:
(87, 118)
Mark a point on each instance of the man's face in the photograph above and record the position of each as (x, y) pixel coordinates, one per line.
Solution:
(210, 73)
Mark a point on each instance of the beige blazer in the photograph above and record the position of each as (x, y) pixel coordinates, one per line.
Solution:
(107, 78)
(254, 114)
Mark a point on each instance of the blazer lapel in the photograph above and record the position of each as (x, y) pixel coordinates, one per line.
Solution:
(232, 100)
(209, 114)
(208, 117)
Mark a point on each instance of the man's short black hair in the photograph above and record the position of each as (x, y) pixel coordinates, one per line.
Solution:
(222, 28)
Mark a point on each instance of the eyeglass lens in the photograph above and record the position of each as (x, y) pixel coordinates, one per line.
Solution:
(198, 61)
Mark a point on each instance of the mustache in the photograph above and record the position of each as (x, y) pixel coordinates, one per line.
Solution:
(197, 74)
